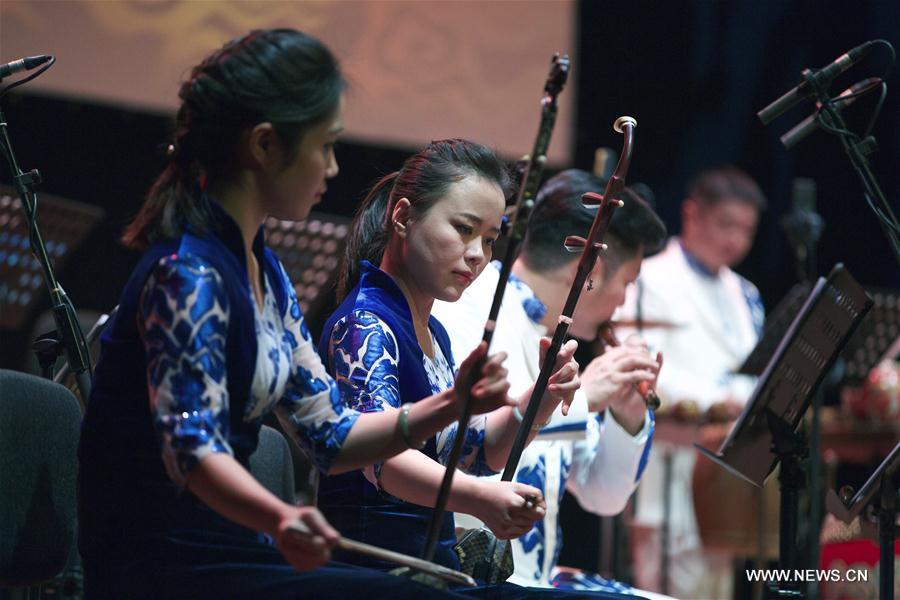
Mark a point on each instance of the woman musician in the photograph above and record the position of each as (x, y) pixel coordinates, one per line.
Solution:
(423, 233)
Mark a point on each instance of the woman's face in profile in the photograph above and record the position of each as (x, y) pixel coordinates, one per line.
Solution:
(301, 183)
(449, 245)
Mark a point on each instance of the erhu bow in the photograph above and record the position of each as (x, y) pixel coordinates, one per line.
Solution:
(590, 249)
(531, 178)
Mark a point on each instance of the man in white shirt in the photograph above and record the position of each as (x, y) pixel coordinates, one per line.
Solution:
(716, 317)
(608, 419)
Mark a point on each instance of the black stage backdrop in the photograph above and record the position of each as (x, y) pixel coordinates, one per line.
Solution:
(694, 74)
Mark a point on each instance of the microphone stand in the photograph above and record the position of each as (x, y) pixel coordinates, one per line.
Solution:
(71, 337)
(803, 227)
(857, 150)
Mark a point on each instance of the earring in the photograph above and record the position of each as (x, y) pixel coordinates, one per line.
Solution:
(590, 284)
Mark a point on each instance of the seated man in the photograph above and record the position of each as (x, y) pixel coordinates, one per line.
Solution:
(604, 465)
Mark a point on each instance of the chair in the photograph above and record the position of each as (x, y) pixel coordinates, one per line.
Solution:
(272, 466)
(39, 429)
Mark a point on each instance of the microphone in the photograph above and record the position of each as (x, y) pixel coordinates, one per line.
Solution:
(23, 64)
(811, 123)
(804, 90)
(803, 227)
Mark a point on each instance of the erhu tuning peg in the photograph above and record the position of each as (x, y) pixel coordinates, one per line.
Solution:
(575, 243)
(591, 200)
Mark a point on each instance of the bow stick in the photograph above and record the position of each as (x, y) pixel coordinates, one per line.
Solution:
(300, 529)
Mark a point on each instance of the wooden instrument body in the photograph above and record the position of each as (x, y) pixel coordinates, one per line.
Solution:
(733, 516)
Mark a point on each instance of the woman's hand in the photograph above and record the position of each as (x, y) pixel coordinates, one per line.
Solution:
(491, 391)
(509, 508)
(309, 549)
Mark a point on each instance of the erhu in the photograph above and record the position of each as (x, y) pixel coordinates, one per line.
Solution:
(590, 249)
(531, 178)
(603, 168)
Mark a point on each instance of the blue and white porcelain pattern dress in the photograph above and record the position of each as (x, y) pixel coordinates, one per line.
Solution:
(370, 346)
(365, 358)
(185, 315)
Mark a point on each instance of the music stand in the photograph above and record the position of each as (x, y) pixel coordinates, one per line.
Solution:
(880, 496)
(872, 342)
(310, 251)
(64, 224)
(776, 326)
(764, 434)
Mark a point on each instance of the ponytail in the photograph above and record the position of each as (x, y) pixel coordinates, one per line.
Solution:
(368, 234)
(174, 201)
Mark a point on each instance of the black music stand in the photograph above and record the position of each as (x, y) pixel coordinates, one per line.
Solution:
(776, 326)
(64, 224)
(310, 251)
(879, 497)
(877, 338)
(765, 433)
(873, 341)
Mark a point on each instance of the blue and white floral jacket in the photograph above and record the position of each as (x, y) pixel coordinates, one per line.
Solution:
(190, 366)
